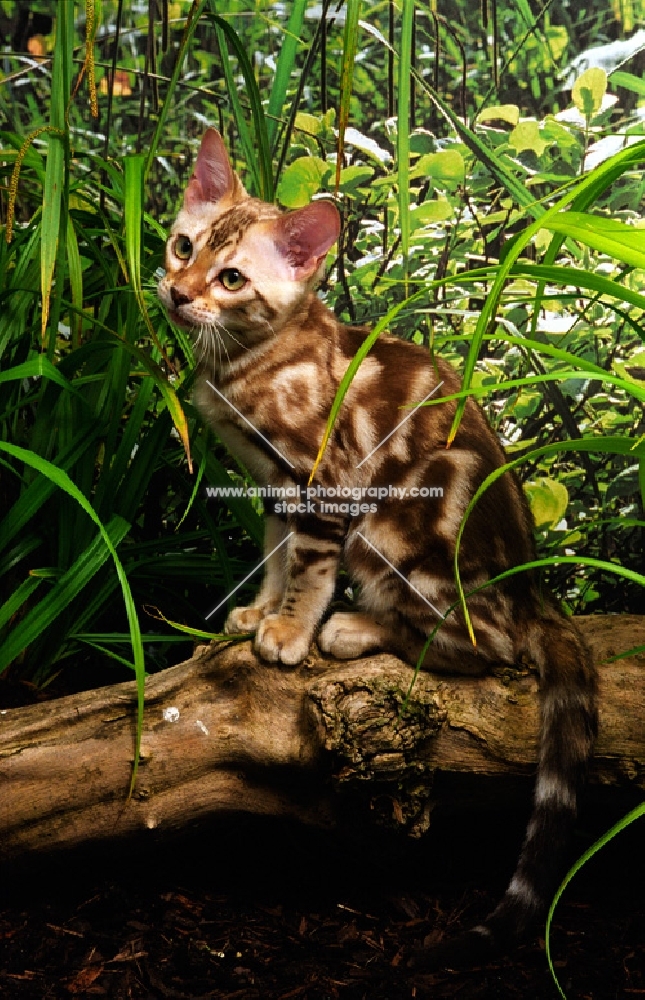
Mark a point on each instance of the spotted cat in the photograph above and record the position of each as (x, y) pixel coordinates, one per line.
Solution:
(241, 274)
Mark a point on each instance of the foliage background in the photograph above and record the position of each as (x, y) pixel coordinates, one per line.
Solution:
(95, 385)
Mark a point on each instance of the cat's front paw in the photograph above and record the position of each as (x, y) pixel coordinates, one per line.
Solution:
(282, 640)
(244, 619)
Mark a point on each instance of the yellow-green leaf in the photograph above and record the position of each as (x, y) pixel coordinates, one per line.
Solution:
(301, 180)
(548, 500)
(308, 123)
(501, 112)
(447, 168)
(589, 90)
(430, 211)
(526, 135)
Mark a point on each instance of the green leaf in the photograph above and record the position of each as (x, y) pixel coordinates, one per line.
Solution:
(308, 123)
(75, 281)
(603, 445)
(366, 145)
(589, 90)
(447, 168)
(39, 365)
(301, 180)
(34, 496)
(133, 211)
(481, 151)
(580, 196)
(548, 500)
(351, 178)
(525, 136)
(430, 211)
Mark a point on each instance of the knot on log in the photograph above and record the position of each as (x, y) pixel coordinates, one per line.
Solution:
(378, 732)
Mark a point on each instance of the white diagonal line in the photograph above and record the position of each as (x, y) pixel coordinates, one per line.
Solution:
(398, 573)
(410, 414)
(259, 433)
(230, 594)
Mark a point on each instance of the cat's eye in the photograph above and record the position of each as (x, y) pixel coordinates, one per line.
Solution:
(231, 279)
(183, 248)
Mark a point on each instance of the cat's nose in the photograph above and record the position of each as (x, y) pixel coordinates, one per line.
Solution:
(178, 298)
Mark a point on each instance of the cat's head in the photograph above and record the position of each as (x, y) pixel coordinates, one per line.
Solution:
(235, 263)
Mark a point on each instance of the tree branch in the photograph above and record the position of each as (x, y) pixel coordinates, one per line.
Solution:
(226, 732)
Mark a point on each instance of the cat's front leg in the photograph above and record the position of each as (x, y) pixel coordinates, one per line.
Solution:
(313, 555)
(271, 592)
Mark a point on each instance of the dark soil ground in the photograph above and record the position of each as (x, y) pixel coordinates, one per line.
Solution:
(256, 909)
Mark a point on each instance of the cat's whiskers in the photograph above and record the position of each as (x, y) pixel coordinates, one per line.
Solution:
(239, 343)
(201, 344)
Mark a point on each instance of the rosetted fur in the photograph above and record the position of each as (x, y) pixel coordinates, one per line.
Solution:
(242, 274)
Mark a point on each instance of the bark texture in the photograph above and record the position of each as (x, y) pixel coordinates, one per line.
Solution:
(225, 732)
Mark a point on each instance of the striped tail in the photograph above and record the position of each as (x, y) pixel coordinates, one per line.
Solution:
(568, 730)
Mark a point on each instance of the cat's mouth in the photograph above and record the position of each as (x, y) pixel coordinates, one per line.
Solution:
(179, 320)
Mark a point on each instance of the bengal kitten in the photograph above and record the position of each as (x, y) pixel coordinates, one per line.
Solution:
(241, 274)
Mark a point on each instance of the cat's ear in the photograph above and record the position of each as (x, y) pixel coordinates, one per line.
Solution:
(303, 237)
(213, 177)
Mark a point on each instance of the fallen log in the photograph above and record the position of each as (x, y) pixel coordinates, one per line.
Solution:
(226, 732)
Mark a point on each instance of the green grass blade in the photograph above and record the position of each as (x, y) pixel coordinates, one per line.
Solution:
(76, 283)
(256, 182)
(18, 598)
(403, 131)
(109, 652)
(77, 577)
(583, 279)
(352, 368)
(610, 236)
(40, 365)
(260, 149)
(112, 473)
(284, 68)
(192, 20)
(57, 155)
(133, 192)
(596, 182)
(591, 372)
(350, 43)
(605, 445)
(617, 828)
(241, 508)
(35, 495)
(199, 633)
(62, 480)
